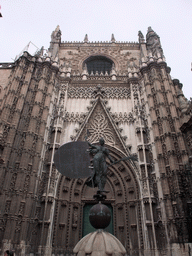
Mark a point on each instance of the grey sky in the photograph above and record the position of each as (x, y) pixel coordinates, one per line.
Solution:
(34, 20)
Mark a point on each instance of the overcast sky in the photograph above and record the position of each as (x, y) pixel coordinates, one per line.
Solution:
(34, 20)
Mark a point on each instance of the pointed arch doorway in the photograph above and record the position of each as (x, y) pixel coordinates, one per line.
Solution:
(123, 199)
(75, 198)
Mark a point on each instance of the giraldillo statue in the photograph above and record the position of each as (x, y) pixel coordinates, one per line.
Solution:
(99, 165)
(99, 177)
(64, 162)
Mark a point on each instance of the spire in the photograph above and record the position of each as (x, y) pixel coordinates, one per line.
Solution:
(141, 37)
(113, 38)
(56, 35)
(55, 40)
(99, 92)
(85, 72)
(86, 38)
(57, 28)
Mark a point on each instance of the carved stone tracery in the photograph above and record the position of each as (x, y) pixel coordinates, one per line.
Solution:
(99, 127)
(109, 92)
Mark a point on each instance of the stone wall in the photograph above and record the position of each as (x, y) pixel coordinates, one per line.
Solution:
(50, 100)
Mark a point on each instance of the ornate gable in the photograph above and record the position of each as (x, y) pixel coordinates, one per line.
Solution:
(100, 124)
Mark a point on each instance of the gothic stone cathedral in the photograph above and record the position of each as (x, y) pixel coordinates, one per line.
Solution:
(123, 92)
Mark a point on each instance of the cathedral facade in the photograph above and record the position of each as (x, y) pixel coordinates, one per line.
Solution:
(123, 92)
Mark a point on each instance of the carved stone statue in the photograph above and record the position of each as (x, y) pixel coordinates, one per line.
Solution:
(153, 44)
(86, 38)
(99, 165)
(141, 37)
(112, 38)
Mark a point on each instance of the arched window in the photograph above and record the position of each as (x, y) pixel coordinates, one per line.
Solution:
(98, 64)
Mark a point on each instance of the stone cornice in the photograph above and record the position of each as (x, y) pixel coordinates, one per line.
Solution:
(154, 64)
(100, 44)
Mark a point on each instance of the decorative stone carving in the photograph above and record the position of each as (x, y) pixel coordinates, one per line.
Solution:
(75, 117)
(21, 209)
(75, 218)
(26, 184)
(79, 181)
(62, 225)
(110, 173)
(42, 184)
(119, 118)
(3, 223)
(76, 192)
(37, 213)
(119, 192)
(128, 178)
(109, 92)
(86, 38)
(131, 190)
(63, 203)
(153, 44)
(99, 127)
(65, 189)
(7, 207)
(141, 37)
(13, 181)
(116, 182)
(133, 69)
(19, 219)
(121, 168)
(113, 38)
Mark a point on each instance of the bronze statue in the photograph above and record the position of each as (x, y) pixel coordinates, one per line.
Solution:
(64, 162)
(99, 165)
(99, 177)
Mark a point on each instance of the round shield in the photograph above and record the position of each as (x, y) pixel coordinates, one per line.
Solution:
(72, 160)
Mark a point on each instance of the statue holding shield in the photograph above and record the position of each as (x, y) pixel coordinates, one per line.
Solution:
(73, 161)
(99, 177)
